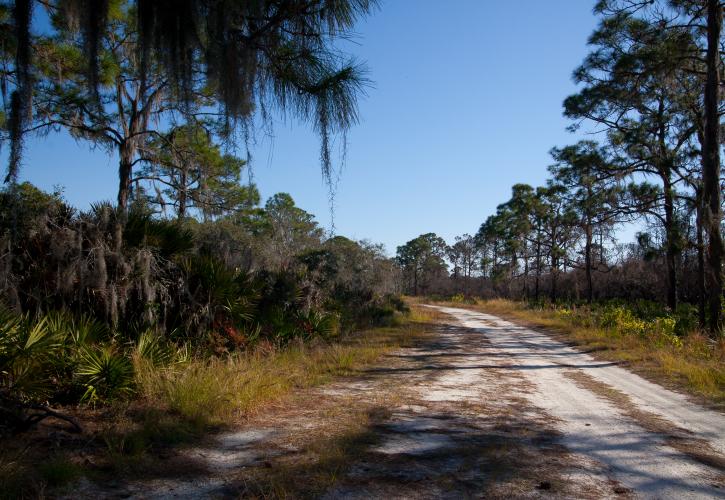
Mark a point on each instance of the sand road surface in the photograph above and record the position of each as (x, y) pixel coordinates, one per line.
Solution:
(653, 441)
(484, 408)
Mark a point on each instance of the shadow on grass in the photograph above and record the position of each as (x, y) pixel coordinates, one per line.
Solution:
(151, 448)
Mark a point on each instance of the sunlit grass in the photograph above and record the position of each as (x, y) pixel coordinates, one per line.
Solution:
(421, 314)
(178, 404)
(217, 390)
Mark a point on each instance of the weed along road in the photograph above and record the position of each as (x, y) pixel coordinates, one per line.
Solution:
(654, 442)
(475, 407)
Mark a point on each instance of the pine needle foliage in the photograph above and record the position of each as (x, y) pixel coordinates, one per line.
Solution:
(248, 55)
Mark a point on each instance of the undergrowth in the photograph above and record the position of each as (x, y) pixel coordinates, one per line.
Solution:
(179, 401)
(217, 390)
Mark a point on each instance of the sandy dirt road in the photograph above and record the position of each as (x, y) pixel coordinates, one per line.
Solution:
(653, 441)
(484, 409)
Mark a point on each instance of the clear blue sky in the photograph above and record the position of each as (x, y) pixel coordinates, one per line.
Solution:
(466, 102)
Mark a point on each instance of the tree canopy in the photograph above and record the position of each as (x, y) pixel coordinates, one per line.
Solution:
(246, 57)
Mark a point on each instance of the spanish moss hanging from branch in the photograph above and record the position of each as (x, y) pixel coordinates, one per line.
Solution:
(235, 55)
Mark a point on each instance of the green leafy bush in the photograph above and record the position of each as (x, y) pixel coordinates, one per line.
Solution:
(105, 373)
(29, 351)
(641, 318)
(105, 294)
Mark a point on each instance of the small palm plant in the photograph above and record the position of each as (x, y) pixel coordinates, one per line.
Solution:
(153, 349)
(27, 353)
(30, 353)
(317, 324)
(219, 299)
(105, 372)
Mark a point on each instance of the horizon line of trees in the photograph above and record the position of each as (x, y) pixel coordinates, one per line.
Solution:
(651, 88)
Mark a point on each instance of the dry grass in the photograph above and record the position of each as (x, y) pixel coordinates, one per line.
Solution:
(12, 472)
(23, 477)
(697, 366)
(218, 390)
(425, 315)
(324, 457)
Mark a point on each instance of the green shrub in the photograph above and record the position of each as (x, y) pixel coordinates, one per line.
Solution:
(641, 318)
(105, 372)
(29, 351)
(157, 351)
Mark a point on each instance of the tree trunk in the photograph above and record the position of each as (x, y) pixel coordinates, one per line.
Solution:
(181, 212)
(538, 268)
(671, 250)
(125, 171)
(588, 263)
(526, 277)
(512, 275)
(711, 168)
(554, 272)
(125, 168)
(701, 290)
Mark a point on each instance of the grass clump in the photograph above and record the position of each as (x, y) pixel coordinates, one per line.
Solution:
(59, 471)
(22, 476)
(14, 476)
(324, 459)
(211, 391)
(181, 401)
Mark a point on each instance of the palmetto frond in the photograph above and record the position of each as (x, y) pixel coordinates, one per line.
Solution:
(153, 349)
(105, 373)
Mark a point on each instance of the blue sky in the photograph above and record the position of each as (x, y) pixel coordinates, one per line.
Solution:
(466, 101)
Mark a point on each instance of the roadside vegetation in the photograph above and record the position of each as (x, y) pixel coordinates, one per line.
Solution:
(177, 400)
(112, 355)
(82, 315)
(188, 302)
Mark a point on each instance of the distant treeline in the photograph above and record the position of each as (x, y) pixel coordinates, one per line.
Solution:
(646, 87)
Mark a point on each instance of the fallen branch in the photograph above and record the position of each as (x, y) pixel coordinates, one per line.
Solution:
(49, 412)
(15, 415)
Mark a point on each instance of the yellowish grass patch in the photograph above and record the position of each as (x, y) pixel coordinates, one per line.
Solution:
(220, 389)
